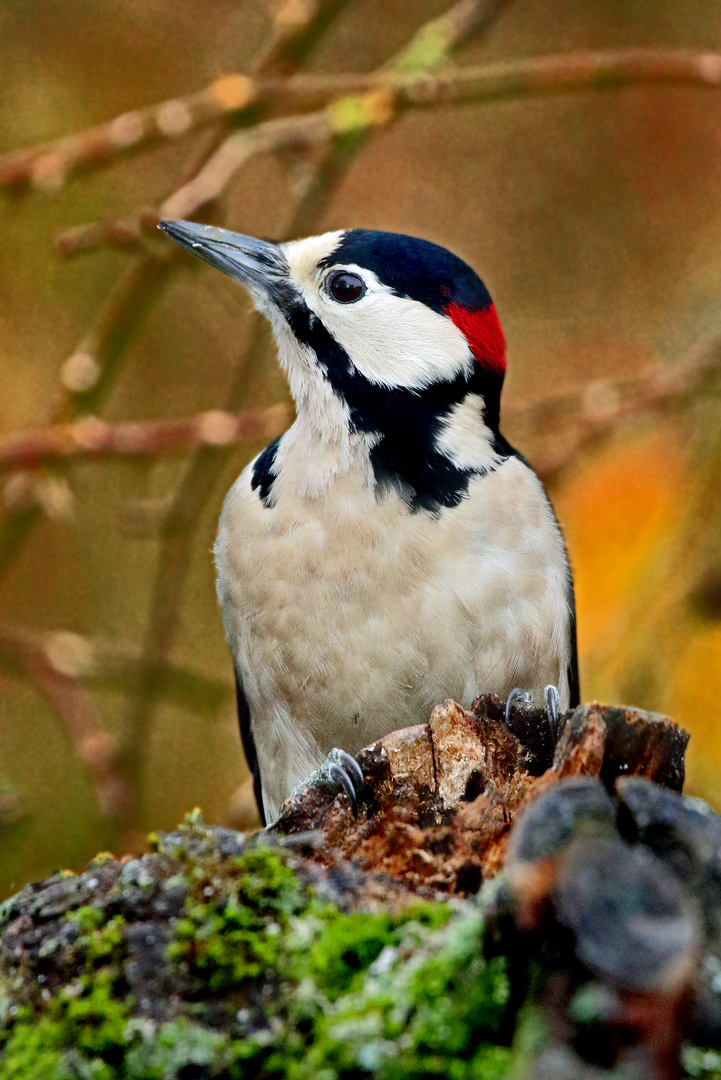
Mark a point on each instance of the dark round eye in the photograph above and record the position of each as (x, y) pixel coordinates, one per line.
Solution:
(345, 287)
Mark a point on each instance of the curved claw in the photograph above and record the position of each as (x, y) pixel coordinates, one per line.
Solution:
(347, 773)
(551, 703)
(520, 695)
(352, 767)
(337, 773)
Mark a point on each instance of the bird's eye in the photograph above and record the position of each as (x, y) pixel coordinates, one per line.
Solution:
(345, 287)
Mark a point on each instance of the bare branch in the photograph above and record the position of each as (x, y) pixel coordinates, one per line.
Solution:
(597, 410)
(604, 406)
(371, 101)
(359, 102)
(102, 664)
(87, 375)
(92, 439)
(93, 746)
(433, 43)
(296, 27)
(49, 164)
(86, 378)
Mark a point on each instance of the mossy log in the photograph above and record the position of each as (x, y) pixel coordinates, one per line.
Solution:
(500, 907)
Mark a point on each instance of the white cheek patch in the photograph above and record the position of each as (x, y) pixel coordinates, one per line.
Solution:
(464, 437)
(394, 341)
(391, 340)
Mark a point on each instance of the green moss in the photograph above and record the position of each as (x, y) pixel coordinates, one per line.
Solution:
(705, 1064)
(274, 982)
(238, 935)
(101, 942)
(176, 1049)
(394, 995)
(347, 945)
(434, 1009)
(84, 1022)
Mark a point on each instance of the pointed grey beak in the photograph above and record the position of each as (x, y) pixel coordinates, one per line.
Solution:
(257, 264)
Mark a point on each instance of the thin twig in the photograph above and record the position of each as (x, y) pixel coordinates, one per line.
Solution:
(92, 439)
(365, 102)
(296, 27)
(107, 665)
(93, 746)
(622, 400)
(370, 101)
(86, 378)
(360, 102)
(49, 164)
(88, 374)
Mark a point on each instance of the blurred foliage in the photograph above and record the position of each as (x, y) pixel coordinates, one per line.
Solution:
(595, 219)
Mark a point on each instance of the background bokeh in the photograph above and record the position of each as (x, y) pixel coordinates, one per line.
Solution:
(595, 218)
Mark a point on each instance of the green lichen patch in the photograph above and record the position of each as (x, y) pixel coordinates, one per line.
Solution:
(219, 958)
(428, 1005)
(701, 1064)
(101, 940)
(80, 1031)
(238, 935)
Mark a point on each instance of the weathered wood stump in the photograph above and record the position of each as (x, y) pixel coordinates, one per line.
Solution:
(441, 798)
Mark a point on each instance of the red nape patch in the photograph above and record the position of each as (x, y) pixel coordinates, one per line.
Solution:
(483, 333)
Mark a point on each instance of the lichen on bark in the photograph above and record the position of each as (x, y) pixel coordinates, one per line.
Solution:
(221, 957)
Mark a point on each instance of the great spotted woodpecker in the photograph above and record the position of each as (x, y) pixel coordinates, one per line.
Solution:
(391, 549)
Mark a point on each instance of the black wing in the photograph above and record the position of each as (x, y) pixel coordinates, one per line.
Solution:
(502, 446)
(573, 680)
(246, 736)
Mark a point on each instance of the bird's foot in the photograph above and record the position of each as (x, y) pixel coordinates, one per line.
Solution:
(517, 698)
(344, 771)
(552, 703)
(521, 699)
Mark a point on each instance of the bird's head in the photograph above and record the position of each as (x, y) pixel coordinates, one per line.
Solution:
(400, 331)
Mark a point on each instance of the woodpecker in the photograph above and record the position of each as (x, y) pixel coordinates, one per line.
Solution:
(391, 549)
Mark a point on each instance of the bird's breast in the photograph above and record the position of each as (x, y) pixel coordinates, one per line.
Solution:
(349, 615)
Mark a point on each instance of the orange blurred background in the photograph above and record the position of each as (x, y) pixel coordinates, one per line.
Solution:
(595, 219)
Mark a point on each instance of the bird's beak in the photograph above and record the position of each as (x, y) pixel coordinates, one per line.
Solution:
(257, 264)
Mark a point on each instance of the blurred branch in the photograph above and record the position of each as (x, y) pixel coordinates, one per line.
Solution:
(85, 379)
(48, 165)
(408, 81)
(296, 27)
(195, 488)
(433, 43)
(93, 746)
(604, 405)
(598, 407)
(92, 439)
(429, 47)
(86, 376)
(360, 102)
(109, 665)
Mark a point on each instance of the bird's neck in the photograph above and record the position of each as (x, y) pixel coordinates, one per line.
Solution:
(423, 448)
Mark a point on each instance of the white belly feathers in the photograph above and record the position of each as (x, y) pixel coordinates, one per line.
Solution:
(349, 616)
